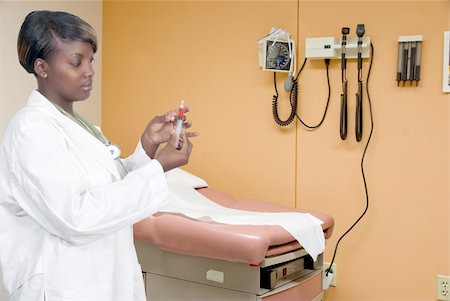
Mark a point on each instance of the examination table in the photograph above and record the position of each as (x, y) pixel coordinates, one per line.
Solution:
(187, 259)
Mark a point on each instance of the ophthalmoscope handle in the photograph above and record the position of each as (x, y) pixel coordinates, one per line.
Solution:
(343, 128)
(359, 110)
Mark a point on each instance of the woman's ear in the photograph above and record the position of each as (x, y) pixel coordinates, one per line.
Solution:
(40, 68)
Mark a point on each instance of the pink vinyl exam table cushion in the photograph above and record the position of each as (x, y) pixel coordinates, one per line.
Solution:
(236, 243)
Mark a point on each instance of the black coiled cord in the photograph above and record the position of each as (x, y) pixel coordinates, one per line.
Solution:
(293, 102)
(293, 96)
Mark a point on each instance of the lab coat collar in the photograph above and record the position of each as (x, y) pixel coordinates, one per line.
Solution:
(79, 135)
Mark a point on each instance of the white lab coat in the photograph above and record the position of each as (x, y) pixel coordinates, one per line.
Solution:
(65, 215)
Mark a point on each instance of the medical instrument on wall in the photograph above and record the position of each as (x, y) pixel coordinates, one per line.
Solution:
(409, 59)
(179, 125)
(291, 82)
(343, 48)
(331, 48)
(360, 30)
(343, 117)
(276, 53)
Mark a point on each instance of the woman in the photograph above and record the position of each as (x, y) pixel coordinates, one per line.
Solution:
(67, 201)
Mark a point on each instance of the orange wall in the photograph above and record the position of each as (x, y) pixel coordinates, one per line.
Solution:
(158, 51)
(153, 51)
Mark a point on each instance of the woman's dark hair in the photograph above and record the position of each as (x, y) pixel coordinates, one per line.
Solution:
(41, 30)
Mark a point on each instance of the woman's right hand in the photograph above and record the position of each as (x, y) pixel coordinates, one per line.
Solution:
(157, 131)
(170, 156)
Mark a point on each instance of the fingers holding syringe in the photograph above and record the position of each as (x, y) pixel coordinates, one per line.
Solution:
(184, 141)
(171, 157)
(185, 145)
(182, 124)
(187, 125)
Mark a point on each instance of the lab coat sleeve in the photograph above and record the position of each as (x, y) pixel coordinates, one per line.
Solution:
(138, 159)
(52, 185)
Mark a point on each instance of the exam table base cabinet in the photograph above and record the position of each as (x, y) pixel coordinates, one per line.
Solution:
(175, 276)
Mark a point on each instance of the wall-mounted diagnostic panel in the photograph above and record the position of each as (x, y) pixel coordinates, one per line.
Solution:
(331, 48)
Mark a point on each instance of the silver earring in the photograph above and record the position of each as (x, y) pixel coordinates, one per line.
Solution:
(44, 75)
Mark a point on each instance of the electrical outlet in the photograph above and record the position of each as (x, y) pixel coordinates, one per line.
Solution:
(443, 288)
(333, 268)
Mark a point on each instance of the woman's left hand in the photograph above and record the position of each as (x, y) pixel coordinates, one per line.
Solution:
(160, 129)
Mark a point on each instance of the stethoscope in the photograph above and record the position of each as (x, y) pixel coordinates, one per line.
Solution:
(114, 149)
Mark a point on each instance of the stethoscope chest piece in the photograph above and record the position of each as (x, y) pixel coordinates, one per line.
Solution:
(114, 150)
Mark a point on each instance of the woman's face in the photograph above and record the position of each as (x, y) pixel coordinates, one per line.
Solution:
(70, 71)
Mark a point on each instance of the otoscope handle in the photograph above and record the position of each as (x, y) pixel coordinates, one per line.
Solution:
(343, 120)
(359, 118)
(359, 60)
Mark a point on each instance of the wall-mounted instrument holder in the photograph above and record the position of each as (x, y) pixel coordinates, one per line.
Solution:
(409, 59)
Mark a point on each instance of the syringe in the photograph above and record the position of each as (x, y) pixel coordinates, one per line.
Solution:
(179, 126)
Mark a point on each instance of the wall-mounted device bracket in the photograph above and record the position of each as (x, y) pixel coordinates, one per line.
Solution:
(330, 48)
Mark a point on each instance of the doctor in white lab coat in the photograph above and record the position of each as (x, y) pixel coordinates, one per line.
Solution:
(66, 212)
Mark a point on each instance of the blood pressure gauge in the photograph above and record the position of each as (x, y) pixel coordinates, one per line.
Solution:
(278, 56)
